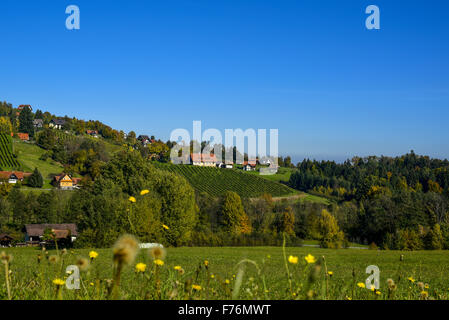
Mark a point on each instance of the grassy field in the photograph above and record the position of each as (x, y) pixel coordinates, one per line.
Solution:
(261, 273)
(283, 175)
(28, 155)
(217, 181)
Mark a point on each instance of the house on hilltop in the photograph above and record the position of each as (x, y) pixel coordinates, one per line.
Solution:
(13, 176)
(23, 136)
(57, 123)
(5, 240)
(35, 232)
(92, 133)
(38, 123)
(249, 165)
(66, 182)
(204, 160)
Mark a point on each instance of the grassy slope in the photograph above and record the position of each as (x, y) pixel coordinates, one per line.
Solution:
(28, 155)
(427, 266)
(217, 181)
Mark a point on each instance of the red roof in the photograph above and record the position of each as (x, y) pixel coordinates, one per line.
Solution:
(252, 163)
(197, 157)
(23, 136)
(62, 175)
(19, 174)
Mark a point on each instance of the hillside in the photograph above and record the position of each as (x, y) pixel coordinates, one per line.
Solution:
(217, 181)
(7, 159)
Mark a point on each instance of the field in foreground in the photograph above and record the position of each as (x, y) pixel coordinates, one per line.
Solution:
(262, 273)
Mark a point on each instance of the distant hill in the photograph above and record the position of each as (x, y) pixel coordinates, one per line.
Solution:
(217, 181)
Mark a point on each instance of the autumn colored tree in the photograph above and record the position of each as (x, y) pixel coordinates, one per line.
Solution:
(331, 236)
(5, 125)
(233, 216)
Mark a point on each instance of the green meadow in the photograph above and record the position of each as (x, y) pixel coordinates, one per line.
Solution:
(230, 272)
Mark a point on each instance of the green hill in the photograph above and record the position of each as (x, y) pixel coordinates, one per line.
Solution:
(217, 181)
(7, 159)
(29, 155)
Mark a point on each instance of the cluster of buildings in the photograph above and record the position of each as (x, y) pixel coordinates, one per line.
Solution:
(210, 160)
(36, 234)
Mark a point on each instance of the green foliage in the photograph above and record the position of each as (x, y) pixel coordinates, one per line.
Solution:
(330, 234)
(26, 121)
(233, 217)
(36, 180)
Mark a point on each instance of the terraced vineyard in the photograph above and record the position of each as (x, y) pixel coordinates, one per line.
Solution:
(7, 160)
(217, 181)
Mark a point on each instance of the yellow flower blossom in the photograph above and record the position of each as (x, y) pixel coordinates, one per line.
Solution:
(378, 292)
(159, 262)
(141, 267)
(411, 279)
(361, 285)
(165, 227)
(144, 192)
(310, 259)
(91, 283)
(206, 263)
(132, 199)
(196, 287)
(212, 276)
(93, 254)
(227, 281)
(293, 260)
(177, 268)
(58, 282)
(330, 273)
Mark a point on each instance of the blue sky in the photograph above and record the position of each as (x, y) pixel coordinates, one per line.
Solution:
(308, 68)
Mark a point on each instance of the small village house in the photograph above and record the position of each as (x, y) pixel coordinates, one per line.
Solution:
(5, 240)
(23, 136)
(249, 165)
(38, 123)
(92, 133)
(204, 160)
(144, 139)
(66, 182)
(67, 232)
(13, 177)
(57, 123)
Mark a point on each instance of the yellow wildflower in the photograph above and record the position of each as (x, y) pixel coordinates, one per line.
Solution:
(58, 282)
(227, 281)
(165, 227)
(144, 192)
(361, 285)
(373, 288)
(132, 199)
(411, 279)
(426, 286)
(330, 273)
(177, 268)
(310, 259)
(91, 283)
(159, 262)
(293, 260)
(93, 254)
(206, 263)
(378, 292)
(141, 267)
(196, 287)
(212, 276)
(348, 298)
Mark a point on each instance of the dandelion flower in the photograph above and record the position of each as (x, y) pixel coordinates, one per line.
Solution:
(227, 281)
(58, 282)
(91, 283)
(125, 250)
(83, 264)
(411, 279)
(424, 294)
(144, 192)
(177, 268)
(310, 259)
(348, 298)
(165, 227)
(157, 253)
(378, 292)
(206, 263)
(330, 273)
(361, 285)
(132, 199)
(93, 255)
(159, 262)
(293, 260)
(196, 287)
(141, 267)
(426, 286)
(373, 288)
(212, 276)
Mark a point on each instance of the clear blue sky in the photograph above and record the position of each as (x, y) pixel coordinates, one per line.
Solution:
(309, 68)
